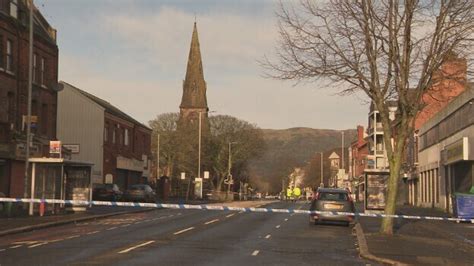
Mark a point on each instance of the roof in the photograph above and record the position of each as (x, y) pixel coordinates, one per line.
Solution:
(334, 156)
(194, 85)
(107, 106)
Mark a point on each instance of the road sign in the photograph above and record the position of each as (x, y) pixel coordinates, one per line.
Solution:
(183, 175)
(206, 174)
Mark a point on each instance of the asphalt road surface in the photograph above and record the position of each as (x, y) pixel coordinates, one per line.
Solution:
(187, 237)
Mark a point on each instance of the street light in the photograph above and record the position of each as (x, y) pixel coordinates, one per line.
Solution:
(229, 166)
(322, 169)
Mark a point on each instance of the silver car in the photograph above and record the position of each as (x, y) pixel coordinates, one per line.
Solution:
(141, 193)
(332, 200)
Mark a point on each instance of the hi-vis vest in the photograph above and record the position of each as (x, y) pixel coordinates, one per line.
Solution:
(297, 191)
(288, 192)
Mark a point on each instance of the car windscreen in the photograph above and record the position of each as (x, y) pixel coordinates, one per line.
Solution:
(137, 187)
(335, 196)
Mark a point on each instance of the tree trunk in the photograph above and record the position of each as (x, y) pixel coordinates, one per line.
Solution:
(392, 193)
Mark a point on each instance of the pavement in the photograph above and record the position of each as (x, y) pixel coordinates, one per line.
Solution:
(420, 242)
(187, 237)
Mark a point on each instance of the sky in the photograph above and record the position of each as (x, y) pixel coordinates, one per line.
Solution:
(133, 53)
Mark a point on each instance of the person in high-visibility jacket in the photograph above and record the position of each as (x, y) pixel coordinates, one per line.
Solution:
(289, 193)
(297, 193)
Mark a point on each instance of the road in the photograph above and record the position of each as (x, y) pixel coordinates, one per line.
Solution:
(186, 237)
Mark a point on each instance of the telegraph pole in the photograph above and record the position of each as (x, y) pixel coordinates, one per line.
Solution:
(158, 157)
(28, 116)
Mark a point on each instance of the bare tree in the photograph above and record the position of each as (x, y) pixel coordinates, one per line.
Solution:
(248, 143)
(165, 125)
(390, 50)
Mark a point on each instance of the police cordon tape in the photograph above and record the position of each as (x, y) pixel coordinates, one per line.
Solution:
(225, 208)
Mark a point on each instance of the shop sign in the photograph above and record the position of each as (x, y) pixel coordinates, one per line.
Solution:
(74, 148)
(55, 147)
(129, 164)
(458, 151)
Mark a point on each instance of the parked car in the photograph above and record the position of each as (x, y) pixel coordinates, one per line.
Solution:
(332, 199)
(107, 192)
(141, 193)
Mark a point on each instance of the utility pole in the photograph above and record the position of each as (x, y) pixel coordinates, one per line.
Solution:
(322, 169)
(158, 157)
(200, 134)
(229, 167)
(28, 117)
(342, 151)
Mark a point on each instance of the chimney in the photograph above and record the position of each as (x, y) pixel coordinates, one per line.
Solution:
(360, 134)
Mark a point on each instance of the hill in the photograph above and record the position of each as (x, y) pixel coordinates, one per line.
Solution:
(289, 148)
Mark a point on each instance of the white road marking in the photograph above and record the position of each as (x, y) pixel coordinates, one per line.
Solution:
(93, 232)
(268, 236)
(135, 247)
(241, 211)
(139, 222)
(255, 253)
(213, 221)
(74, 236)
(278, 226)
(24, 242)
(230, 215)
(37, 245)
(292, 214)
(125, 225)
(1, 250)
(286, 220)
(16, 246)
(184, 230)
(112, 228)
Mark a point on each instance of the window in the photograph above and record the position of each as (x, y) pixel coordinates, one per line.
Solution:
(14, 8)
(126, 137)
(42, 71)
(113, 135)
(2, 55)
(106, 133)
(9, 56)
(35, 68)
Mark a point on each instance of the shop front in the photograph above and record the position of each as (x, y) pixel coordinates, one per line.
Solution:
(458, 161)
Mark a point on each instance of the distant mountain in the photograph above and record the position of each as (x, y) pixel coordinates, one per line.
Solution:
(293, 147)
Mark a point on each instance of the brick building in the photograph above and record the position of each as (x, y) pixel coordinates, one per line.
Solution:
(358, 151)
(100, 133)
(14, 43)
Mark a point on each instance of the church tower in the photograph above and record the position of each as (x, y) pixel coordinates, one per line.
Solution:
(194, 100)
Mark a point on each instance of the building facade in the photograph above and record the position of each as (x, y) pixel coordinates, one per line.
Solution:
(358, 151)
(14, 54)
(96, 131)
(446, 154)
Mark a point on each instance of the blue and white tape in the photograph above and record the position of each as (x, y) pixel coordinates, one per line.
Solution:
(227, 208)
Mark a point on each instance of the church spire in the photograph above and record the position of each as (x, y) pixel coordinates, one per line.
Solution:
(194, 85)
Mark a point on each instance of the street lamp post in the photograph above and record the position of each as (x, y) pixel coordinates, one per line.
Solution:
(322, 169)
(28, 117)
(229, 167)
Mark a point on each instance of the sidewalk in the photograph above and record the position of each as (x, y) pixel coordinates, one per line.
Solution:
(421, 241)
